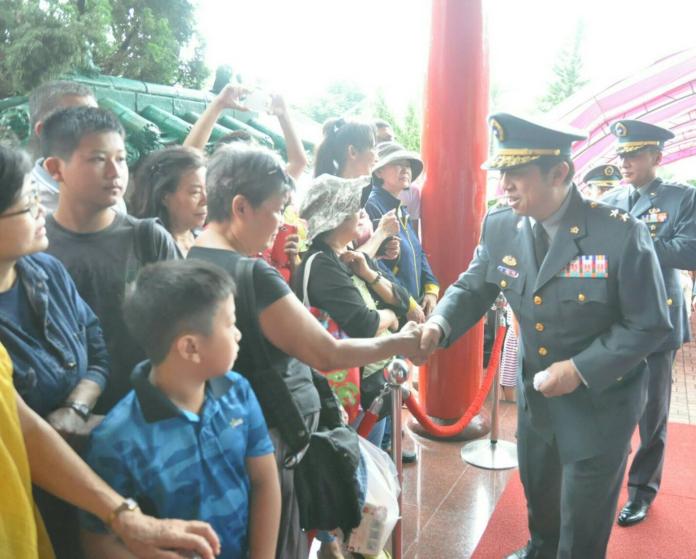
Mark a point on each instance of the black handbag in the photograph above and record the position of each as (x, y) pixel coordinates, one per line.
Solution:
(326, 484)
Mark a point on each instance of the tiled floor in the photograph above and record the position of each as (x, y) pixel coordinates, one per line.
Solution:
(447, 503)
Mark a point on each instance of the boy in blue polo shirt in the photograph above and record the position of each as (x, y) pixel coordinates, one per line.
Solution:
(190, 440)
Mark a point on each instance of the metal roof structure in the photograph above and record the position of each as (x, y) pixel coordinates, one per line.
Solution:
(156, 115)
(663, 93)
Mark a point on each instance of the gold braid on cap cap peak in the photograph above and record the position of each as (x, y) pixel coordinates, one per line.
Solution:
(603, 183)
(626, 147)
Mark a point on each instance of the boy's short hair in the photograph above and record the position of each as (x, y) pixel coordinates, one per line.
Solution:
(44, 99)
(63, 130)
(172, 297)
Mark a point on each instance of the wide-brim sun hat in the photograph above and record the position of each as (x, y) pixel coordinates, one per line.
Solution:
(390, 152)
(329, 201)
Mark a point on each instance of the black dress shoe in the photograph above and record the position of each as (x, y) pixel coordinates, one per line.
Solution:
(526, 552)
(633, 513)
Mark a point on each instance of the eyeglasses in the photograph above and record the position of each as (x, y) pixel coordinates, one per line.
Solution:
(33, 209)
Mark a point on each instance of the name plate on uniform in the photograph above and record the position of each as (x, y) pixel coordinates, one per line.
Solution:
(587, 266)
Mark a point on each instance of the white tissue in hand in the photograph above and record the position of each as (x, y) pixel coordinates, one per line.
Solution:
(540, 378)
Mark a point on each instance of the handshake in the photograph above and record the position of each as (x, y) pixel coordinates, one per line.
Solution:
(418, 341)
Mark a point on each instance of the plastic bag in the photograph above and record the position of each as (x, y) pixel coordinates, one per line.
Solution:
(381, 509)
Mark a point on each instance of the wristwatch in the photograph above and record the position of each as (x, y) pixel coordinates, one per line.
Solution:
(79, 408)
(127, 505)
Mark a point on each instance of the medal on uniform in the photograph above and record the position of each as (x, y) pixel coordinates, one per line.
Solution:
(655, 215)
(508, 271)
(509, 260)
(587, 266)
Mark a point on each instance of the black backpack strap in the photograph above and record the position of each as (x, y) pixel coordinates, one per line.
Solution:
(274, 395)
(146, 246)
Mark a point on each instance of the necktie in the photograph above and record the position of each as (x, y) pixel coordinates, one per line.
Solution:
(632, 199)
(541, 243)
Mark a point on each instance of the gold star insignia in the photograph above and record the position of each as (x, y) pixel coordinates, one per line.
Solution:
(509, 260)
(575, 229)
(614, 213)
(624, 217)
(593, 204)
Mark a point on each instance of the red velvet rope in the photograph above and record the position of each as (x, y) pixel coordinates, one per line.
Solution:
(454, 429)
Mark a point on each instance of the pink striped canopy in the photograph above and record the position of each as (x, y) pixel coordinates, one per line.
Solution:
(662, 94)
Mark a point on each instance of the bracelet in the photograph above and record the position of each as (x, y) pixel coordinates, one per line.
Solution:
(79, 408)
(377, 278)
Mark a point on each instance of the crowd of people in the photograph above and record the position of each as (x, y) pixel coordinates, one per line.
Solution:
(168, 329)
(123, 314)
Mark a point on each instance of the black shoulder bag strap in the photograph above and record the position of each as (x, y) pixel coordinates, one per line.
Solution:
(146, 249)
(273, 394)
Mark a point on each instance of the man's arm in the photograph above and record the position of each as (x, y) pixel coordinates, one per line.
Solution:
(56, 468)
(264, 510)
(679, 251)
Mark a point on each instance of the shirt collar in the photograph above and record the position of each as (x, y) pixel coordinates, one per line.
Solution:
(387, 198)
(643, 189)
(155, 404)
(552, 222)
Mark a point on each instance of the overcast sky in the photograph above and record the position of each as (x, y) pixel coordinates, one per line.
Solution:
(299, 46)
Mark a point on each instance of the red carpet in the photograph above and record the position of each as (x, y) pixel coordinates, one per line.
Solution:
(667, 533)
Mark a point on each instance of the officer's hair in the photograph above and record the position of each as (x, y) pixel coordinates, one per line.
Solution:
(14, 166)
(548, 162)
(63, 131)
(171, 298)
(44, 99)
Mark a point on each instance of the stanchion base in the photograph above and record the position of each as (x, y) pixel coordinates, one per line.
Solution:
(501, 455)
(479, 426)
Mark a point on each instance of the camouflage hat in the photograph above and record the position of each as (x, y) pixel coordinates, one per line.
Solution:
(329, 201)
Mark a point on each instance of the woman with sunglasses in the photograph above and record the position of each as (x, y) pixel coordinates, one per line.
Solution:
(247, 193)
(53, 338)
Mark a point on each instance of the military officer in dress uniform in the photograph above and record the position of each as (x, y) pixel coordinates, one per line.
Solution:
(601, 180)
(583, 280)
(669, 212)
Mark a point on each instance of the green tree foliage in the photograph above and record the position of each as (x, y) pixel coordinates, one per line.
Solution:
(341, 98)
(568, 72)
(138, 39)
(407, 130)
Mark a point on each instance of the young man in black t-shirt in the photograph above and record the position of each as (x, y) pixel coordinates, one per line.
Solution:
(103, 251)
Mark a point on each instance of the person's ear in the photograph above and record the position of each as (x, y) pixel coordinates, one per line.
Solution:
(188, 348)
(38, 127)
(560, 174)
(240, 206)
(352, 152)
(657, 160)
(54, 167)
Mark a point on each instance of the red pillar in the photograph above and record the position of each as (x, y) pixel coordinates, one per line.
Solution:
(455, 144)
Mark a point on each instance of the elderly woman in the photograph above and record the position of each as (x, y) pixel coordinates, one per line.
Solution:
(346, 284)
(170, 185)
(53, 337)
(248, 190)
(395, 170)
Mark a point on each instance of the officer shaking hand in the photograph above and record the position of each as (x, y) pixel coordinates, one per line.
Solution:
(585, 285)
